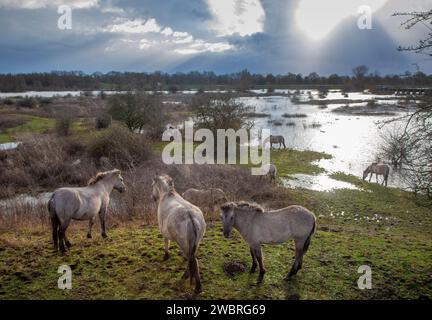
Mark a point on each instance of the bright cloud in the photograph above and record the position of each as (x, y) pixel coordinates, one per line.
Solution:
(318, 18)
(167, 31)
(37, 4)
(162, 38)
(243, 17)
(134, 26)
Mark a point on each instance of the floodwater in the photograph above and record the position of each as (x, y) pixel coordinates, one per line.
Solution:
(9, 145)
(352, 140)
(50, 94)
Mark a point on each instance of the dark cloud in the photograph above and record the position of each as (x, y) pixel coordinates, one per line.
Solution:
(31, 41)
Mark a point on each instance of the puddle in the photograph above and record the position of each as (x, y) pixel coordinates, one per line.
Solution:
(9, 145)
(317, 183)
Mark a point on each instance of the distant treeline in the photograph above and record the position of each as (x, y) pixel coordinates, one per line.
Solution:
(77, 80)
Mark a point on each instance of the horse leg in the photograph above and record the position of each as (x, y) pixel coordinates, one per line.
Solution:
(254, 261)
(61, 235)
(166, 248)
(54, 223)
(67, 242)
(298, 259)
(196, 275)
(91, 223)
(259, 257)
(102, 217)
(376, 175)
(370, 177)
(186, 274)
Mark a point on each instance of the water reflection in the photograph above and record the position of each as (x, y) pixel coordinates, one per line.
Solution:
(352, 140)
(317, 183)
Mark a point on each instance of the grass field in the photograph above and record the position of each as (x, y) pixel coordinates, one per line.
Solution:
(384, 228)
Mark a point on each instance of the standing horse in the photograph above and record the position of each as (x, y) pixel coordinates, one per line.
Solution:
(83, 203)
(276, 139)
(259, 227)
(378, 169)
(179, 221)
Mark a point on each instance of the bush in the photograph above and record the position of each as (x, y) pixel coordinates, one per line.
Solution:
(123, 148)
(173, 89)
(63, 126)
(42, 162)
(8, 101)
(8, 121)
(103, 121)
(139, 112)
(27, 102)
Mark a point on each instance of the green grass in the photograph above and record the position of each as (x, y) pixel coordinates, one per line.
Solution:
(39, 125)
(128, 265)
(290, 161)
(385, 228)
(33, 124)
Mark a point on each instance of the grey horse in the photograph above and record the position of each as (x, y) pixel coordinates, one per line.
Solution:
(378, 169)
(275, 140)
(258, 227)
(179, 221)
(67, 204)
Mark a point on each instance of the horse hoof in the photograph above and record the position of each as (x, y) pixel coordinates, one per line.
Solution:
(166, 257)
(252, 270)
(104, 235)
(262, 272)
(89, 236)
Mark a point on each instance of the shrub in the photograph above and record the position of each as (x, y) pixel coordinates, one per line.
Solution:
(173, 89)
(8, 101)
(103, 121)
(63, 126)
(8, 121)
(123, 148)
(27, 102)
(138, 111)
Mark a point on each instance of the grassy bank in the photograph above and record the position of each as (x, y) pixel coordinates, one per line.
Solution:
(384, 228)
(129, 265)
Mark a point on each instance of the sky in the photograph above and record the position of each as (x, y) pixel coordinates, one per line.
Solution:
(223, 36)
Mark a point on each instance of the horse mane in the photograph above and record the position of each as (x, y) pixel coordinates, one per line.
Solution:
(96, 178)
(170, 183)
(243, 205)
(250, 206)
(99, 176)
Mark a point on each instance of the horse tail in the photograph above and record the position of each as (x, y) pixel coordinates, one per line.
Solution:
(55, 222)
(308, 240)
(192, 262)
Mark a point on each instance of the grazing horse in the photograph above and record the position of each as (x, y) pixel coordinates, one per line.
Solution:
(378, 169)
(206, 198)
(84, 203)
(276, 139)
(259, 227)
(269, 170)
(179, 221)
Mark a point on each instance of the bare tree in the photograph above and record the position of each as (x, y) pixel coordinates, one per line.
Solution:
(411, 145)
(413, 19)
(139, 112)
